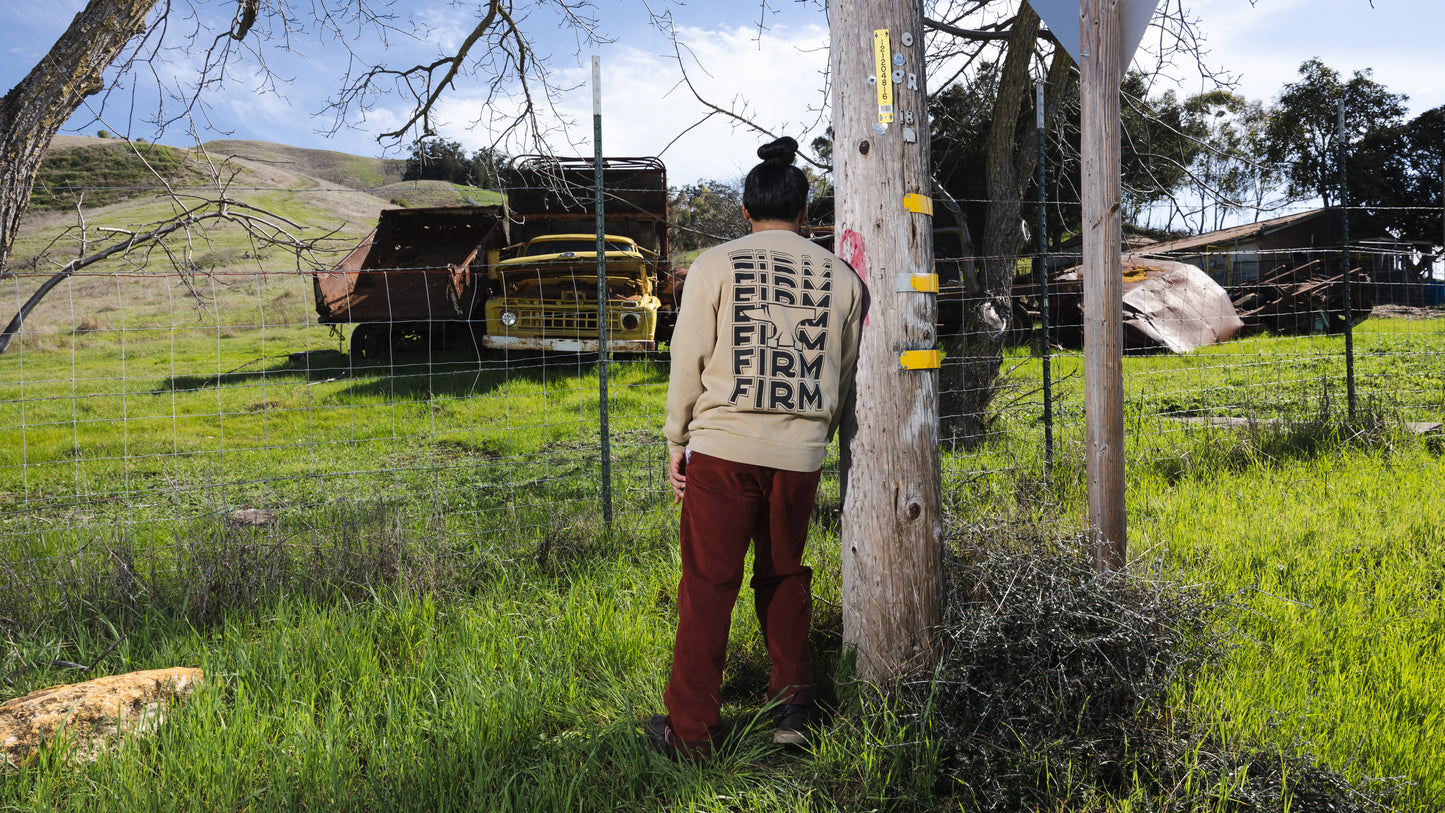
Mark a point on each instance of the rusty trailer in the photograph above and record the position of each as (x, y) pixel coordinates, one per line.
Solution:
(419, 280)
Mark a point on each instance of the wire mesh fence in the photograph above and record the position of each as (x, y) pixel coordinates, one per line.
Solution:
(157, 425)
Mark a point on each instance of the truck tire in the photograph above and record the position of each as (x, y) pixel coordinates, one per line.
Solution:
(370, 343)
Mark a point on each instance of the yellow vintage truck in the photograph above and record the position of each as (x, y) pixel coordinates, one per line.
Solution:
(517, 277)
(544, 295)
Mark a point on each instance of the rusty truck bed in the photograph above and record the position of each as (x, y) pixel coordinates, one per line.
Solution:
(416, 265)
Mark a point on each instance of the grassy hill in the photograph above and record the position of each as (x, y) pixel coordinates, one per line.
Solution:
(412, 194)
(342, 169)
(101, 171)
(330, 197)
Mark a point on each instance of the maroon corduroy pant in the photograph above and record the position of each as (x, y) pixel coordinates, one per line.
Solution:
(726, 505)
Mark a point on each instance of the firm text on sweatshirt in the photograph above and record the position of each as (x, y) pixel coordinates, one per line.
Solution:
(780, 314)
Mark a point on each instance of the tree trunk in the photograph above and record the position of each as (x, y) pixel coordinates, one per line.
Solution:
(36, 108)
(892, 534)
(970, 372)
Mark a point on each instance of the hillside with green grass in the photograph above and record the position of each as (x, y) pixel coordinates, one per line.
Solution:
(94, 172)
(93, 191)
(338, 168)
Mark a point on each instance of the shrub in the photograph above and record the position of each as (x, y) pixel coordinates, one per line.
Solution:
(1058, 686)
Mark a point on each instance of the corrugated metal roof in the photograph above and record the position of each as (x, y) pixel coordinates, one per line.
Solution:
(1231, 234)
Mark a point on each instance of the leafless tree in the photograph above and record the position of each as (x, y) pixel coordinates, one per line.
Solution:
(34, 110)
(230, 41)
(137, 39)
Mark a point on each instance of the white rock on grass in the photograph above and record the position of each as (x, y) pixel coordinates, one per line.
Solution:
(91, 714)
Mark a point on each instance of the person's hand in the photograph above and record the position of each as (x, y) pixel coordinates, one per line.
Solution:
(676, 475)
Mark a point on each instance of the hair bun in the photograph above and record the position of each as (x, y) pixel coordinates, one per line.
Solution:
(781, 151)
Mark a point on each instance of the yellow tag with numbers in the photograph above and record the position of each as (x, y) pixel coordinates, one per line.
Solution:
(883, 72)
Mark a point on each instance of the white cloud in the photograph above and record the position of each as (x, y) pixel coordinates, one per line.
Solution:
(1264, 44)
(776, 81)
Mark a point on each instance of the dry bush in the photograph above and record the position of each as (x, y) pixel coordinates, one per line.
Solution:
(1058, 685)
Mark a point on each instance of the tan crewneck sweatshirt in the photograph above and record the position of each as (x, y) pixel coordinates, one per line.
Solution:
(764, 351)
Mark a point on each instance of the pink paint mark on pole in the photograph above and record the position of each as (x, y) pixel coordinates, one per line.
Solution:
(851, 248)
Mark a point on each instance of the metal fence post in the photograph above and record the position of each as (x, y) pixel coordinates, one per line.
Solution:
(603, 357)
(1044, 285)
(1345, 269)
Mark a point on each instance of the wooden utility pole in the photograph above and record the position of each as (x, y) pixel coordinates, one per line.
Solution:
(1100, 71)
(892, 532)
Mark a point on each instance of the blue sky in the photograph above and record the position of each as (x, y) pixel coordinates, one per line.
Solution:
(776, 73)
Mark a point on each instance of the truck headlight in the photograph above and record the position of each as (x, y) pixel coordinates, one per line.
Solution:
(509, 318)
(631, 321)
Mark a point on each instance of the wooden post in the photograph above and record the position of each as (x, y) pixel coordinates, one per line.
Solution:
(1100, 70)
(892, 532)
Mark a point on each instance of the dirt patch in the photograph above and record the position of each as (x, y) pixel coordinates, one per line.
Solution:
(1407, 312)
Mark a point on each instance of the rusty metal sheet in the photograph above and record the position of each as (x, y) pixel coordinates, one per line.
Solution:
(417, 265)
(1174, 306)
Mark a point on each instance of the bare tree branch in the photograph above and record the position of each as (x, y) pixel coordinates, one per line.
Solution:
(741, 117)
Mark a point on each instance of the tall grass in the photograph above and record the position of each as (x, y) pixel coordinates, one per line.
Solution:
(1335, 562)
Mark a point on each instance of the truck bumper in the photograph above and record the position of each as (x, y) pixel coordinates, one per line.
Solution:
(567, 345)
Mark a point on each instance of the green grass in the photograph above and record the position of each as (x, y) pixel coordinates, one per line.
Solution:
(354, 171)
(436, 620)
(106, 172)
(522, 698)
(438, 193)
(1337, 564)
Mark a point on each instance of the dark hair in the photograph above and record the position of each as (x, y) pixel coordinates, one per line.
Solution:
(775, 189)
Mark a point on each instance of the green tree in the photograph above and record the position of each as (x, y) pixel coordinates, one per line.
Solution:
(488, 168)
(1159, 143)
(435, 159)
(1424, 156)
(1230, 172)
(1159, 140)
(1303, 131)
(705, 214)
(960, 116)
(1394, 176)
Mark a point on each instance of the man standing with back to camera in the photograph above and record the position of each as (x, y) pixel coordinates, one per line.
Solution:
(762, 359)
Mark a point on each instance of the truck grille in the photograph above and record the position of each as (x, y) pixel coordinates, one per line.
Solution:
(560, 322)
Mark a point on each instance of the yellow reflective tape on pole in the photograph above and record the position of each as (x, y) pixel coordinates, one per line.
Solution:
(919, 359)
(922, 283)
(922, 204)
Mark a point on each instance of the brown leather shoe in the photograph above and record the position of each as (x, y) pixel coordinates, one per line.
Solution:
(659, 732)
(795, 725)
